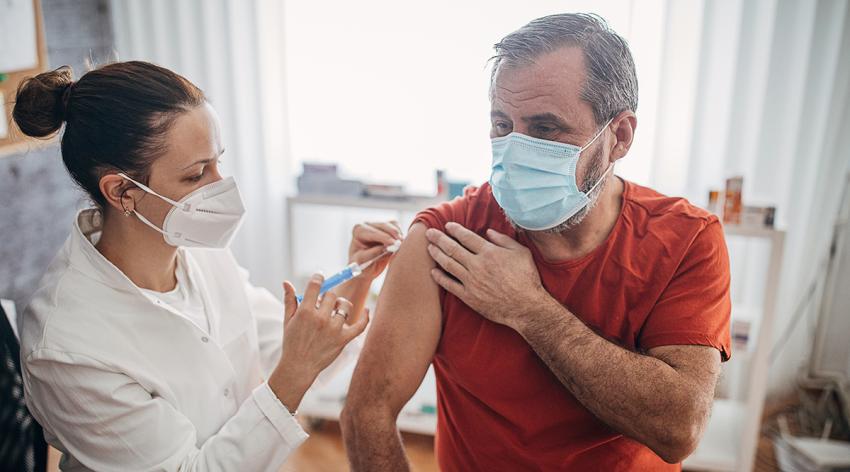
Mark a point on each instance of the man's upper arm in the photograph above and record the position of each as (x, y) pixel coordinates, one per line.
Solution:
(405, 330)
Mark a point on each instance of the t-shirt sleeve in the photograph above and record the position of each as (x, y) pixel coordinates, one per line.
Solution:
(695, 307)
(455, 210)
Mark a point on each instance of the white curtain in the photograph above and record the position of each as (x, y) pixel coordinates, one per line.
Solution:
(233, 51)
(770, 102)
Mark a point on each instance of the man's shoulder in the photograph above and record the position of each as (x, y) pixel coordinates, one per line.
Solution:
(676, 225)
(476, 210)
(652, 208)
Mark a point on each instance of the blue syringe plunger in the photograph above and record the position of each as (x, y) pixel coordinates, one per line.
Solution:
(351, 270)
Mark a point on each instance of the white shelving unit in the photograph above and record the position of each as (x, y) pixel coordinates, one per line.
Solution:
(731, 438)
(729, 443)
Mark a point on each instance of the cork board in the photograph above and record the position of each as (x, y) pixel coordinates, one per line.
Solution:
(14, 140)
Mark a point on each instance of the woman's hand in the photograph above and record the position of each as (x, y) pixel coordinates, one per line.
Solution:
(314, 334)
(370, 240)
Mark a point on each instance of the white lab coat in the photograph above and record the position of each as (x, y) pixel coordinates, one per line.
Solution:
(121, 382)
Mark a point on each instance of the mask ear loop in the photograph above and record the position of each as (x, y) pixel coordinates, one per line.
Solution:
(598, 133)
(610, 166)
(148, 190)
(601, 179)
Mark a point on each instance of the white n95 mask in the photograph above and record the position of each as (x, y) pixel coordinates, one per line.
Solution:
(207, 217)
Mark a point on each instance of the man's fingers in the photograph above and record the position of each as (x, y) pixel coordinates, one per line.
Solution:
(470, 240)
(311, 293)
(449, 246)
(452, 286)
(447, 263)
(502, 240)
(290, 303)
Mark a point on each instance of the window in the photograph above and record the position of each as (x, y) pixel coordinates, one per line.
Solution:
(394, 90)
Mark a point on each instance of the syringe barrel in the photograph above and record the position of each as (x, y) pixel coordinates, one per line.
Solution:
(353, 270)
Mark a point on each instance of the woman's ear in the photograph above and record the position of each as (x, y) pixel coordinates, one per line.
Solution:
(623, 125)
(114, 189)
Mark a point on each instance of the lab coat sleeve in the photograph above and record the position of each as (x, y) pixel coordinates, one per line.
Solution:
(268, 312)
(109, 422)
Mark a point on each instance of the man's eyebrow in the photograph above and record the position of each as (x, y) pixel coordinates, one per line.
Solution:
(205, 161)
(499, 114)
(547, 117)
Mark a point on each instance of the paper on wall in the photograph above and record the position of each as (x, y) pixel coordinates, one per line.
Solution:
(4, 124)
(18, 39)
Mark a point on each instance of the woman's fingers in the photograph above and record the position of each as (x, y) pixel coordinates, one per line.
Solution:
(369, 234)
(326, 306)
(290, 302)
(311, 293)
(342, 309)
(390, 227)
(350, 332)
(369, 254)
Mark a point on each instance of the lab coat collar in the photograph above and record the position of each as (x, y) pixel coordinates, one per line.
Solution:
(87, 260)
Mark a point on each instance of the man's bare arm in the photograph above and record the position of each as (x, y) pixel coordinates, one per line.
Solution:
(662, 399)
(398, 350)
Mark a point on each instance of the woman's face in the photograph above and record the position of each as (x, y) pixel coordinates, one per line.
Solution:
(190, 162)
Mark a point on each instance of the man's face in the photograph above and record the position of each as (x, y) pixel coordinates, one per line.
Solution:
(543, 100)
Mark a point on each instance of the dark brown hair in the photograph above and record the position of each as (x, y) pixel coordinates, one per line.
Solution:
(115, 117)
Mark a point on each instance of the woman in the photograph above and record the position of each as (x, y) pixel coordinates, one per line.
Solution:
(143, 349)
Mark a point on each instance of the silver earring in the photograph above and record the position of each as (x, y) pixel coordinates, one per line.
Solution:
(127, 212)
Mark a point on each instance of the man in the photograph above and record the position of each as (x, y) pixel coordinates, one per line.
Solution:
(575, 321)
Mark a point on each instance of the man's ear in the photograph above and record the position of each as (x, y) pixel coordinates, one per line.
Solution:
(623, 125)
(114, 189)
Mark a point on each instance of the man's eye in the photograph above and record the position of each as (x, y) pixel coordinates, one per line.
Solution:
(501, 126)
(544, 129)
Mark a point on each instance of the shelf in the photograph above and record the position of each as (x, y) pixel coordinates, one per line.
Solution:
(413, 204)
(719, 448)
(752, 231)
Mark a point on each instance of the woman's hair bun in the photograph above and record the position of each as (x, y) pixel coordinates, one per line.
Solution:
(41, 102)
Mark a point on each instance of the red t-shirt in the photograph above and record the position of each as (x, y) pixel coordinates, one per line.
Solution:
(660, 278)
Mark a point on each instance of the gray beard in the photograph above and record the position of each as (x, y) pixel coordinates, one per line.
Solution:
(594, 173)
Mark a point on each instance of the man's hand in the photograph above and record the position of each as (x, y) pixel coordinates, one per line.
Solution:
(496, 278)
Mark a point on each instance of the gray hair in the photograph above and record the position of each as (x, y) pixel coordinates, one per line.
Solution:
(611, 85)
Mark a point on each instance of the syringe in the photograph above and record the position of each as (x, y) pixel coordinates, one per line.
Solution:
(352, 270)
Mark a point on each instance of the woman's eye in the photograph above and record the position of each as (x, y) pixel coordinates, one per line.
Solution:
(196, 178)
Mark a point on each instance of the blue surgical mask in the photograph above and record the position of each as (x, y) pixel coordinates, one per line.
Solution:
(534, 180)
